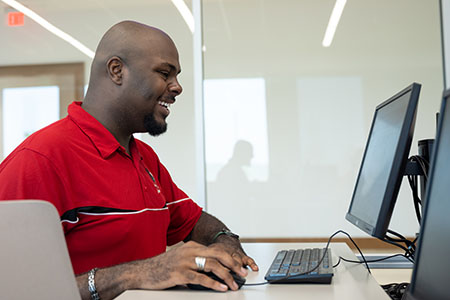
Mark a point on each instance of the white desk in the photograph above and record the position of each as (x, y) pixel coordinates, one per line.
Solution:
(350, 281)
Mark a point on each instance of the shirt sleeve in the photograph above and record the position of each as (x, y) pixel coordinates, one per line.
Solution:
(26, 174)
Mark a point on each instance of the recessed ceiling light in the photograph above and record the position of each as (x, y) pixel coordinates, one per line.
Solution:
(185, 13)
(333, 23)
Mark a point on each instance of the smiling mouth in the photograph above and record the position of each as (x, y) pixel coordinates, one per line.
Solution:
(165, 104)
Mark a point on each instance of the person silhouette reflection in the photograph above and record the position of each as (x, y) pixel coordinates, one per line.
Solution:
(233, 172)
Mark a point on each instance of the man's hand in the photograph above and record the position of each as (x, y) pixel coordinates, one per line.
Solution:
(174, 267)
(177, 267)
(236, 252)
(205, 232)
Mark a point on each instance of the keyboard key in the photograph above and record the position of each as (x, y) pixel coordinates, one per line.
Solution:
(288, 258)
(304, 267)
(281, 273)
(280, 256)
(271, 271)
(297, 257)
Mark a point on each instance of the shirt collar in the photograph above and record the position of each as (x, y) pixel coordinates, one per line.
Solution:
(102, 139)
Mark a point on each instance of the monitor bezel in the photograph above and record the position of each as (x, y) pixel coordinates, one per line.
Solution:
(399, 163)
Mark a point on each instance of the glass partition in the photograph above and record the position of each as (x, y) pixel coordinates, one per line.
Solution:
(287, 119)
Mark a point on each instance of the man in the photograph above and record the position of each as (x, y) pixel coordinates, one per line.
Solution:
(119, 207)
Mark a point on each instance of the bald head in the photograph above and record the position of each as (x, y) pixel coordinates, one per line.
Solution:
(127, 40)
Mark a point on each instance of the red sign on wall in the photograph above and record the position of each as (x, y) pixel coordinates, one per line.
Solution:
(15, 18)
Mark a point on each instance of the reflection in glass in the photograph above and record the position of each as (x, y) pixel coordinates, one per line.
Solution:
(235, 110)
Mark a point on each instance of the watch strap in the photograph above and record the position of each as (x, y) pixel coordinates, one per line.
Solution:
(226, 232)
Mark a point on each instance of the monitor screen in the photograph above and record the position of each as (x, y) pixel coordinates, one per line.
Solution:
(383, 163)
(430, 274)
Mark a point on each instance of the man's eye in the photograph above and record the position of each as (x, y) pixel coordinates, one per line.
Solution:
(165, 74)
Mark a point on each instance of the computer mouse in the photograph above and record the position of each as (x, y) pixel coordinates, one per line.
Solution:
(238, 279)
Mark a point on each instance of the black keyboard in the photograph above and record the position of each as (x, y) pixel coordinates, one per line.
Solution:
(301, 266)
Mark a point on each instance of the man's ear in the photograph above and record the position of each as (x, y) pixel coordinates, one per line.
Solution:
(115, 69)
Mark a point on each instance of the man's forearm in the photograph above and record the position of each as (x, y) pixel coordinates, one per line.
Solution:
(112, 281)
(206, 230)
(174, 267)
(109, 282)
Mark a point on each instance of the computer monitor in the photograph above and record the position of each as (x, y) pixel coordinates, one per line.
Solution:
(431, 269)
(383, 163)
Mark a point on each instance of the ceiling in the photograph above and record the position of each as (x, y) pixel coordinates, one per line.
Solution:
(85, 20)
(402, 24)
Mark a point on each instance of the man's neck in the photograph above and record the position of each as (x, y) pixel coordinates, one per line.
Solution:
(107, 119)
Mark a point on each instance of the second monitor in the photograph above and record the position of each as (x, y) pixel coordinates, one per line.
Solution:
(384, 161)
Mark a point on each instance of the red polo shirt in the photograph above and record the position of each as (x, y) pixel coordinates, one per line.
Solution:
(114, 207)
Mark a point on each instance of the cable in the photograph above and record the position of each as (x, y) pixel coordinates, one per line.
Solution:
(359, 250)
(320, 261)
(373, 260)
(395, 290)
(337, 264)
(423, 163)
(253, 284)
(410, 245)
(401, 239)
(393, 242)
(395, 233)
(412, 179)
(408, 252)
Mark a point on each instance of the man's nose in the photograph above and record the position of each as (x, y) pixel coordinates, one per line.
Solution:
(175, 87)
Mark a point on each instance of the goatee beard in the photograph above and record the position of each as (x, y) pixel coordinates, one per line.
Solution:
(154, 127)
